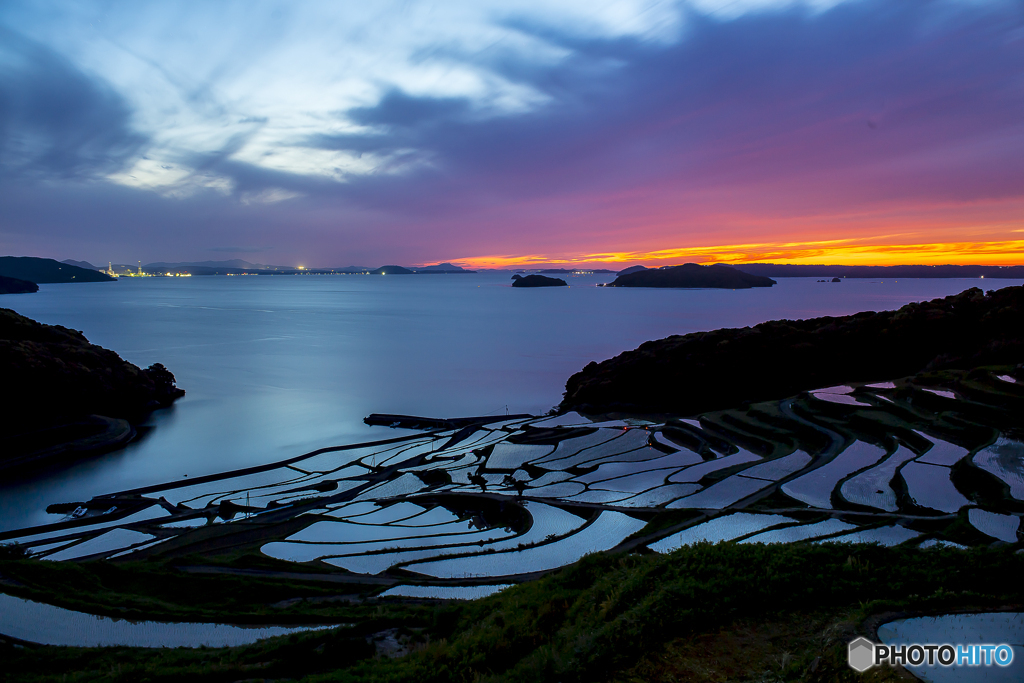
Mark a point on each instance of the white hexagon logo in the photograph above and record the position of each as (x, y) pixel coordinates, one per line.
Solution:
(861, 655)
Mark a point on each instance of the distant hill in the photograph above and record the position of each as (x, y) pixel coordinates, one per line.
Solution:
(46, 270)
(442, 268)
(886, 272)
(537, 281)
(392, 270)
(10, 285)
(692, 275)
(81, 264)
(632, 269)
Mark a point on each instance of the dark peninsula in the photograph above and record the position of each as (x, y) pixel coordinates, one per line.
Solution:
(692, 276)
(65, 397)
(537, 281)
(47, 270)
(713, 370)
(12, 285)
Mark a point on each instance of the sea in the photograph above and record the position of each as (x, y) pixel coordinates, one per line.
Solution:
(276, 366)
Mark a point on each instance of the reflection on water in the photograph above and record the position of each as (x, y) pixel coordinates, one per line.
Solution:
(276, 366)
(38, 622)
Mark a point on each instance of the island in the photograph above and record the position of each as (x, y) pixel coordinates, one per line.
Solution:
(48, 270)
(691, 276)
(686, 374)
(66, 398)
(12, 285)
(536, 280)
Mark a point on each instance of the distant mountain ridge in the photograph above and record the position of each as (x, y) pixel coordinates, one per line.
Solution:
(441, 268)
(231, 263)
(947, 271)
(81, 264)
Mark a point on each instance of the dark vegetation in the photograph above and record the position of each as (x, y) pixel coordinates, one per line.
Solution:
(46, 270)
(704, 613)
(54, 380)
(692, 275)
(706, 371)
(11, 285)
(536, 280)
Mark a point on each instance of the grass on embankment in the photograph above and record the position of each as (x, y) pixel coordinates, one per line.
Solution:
(706, 613)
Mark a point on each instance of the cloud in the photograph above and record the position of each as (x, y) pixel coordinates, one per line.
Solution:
(780, 124)
(923, 95)
(241, 250)
(56, 121)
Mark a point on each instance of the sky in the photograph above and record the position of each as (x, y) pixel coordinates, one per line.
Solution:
(513, 133)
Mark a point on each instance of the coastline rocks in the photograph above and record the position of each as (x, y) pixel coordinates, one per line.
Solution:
(55, 379)
(12, 285)
(538, 281)
(720, 369)
(691, 275)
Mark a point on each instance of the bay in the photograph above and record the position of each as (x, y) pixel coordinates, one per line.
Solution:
(275, 366)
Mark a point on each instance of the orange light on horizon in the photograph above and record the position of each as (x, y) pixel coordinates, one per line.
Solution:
(847, 252)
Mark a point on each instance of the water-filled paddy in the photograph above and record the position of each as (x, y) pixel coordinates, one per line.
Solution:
(1002, 527)
(815, 488)
(445, 592)
(930, 486)
(50, 625)
(872, 488)
(802, 532)
(962, 629)
(723, 528)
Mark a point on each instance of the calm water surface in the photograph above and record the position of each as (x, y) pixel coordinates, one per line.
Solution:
(38, 622)
(274, 366)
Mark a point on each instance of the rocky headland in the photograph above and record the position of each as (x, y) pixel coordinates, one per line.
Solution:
(64, 396)
(691, 276)
(12, 285)
(703, 371)
(538, 281)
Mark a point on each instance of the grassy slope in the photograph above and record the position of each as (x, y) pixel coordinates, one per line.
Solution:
(725, 612)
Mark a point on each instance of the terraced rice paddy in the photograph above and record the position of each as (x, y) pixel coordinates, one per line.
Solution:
(503, 500)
